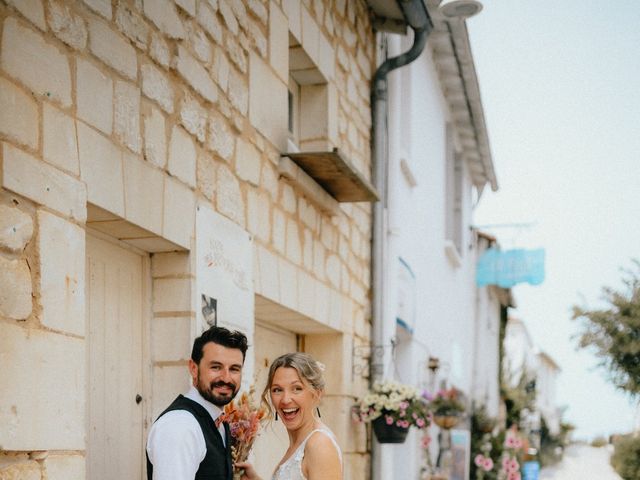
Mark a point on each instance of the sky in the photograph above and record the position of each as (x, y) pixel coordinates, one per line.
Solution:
(560, 85)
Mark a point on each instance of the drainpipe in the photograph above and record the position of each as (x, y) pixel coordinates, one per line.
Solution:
(416, 15)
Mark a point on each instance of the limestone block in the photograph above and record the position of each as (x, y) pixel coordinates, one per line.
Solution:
(23, 469)
(126, 117)
(220, 69)
(164, 14)
(307, 294)
(270, 176)
(61, 247)
(37, 181)
(16, 228)
(193, 117)
(172, 295)
(228, 17)
(33, 10)
(132, 25)
(208, 20)
(308, 214)
(112, 49)
(101, 169)
(179, 213)
(196, 75)
(288, 198)
(259, 214)
(307, 249)
(39, 65)
(64, 466)
(248, 162)
(279, 230)
(143, 193)
(66, 25)
(332, 269)
(288, 283)
(294, 251)
(326, 58)
(221, 140)
(168, 381)
(229, 200)
(15, 289)
(59, 139)
(236, 53)
(19, 119)
(155, 138)
(258, 39)
(182, 156)
(279, 42)
(170, 264)
(188, 6)
(238, 91)
(171, 339)
(319, 259)
(206, 175)
(267, 272)
(268, 113)
(157, 86)
(200, 43)
(160, 50)
(94, 96)
(47, 412)
(292, 11)
(101, 7)
(310, 35)
(259, 10)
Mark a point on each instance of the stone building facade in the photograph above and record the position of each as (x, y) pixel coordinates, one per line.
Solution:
(141, 180)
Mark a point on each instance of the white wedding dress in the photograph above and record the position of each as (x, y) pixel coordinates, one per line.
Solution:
(292, 468)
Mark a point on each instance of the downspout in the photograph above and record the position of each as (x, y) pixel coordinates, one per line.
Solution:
(417, 17)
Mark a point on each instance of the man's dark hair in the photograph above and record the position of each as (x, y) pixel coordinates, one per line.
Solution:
(221, 336)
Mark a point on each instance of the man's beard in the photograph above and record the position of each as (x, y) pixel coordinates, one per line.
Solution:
(207, 392)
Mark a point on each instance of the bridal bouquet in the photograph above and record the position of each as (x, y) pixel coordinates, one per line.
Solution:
(244, 420)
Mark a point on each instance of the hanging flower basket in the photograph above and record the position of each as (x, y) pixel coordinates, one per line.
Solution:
(446, 421)
(386, 433)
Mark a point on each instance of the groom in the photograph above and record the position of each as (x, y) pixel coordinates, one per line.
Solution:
(184, 442)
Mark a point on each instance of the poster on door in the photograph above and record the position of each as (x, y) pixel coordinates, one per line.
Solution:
(224, 282)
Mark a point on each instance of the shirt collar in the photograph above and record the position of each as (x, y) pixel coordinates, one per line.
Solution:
(194, 394)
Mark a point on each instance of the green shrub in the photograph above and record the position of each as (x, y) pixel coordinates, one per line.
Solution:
(599, 442)
(626, 457)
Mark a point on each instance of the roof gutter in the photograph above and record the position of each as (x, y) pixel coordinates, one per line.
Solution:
(417, 17)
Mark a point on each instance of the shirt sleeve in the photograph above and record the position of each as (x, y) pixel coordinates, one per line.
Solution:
(176, 446)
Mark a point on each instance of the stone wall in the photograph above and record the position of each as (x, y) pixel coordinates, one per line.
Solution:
(123, 116)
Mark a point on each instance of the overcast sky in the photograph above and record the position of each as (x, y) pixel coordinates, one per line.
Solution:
(560, 83)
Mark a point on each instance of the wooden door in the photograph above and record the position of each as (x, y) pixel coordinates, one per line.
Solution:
(270, 342)
(115, 279)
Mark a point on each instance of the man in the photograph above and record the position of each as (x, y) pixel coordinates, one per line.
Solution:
(184, 442)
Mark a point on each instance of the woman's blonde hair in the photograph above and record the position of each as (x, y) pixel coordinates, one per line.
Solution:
(309, 370)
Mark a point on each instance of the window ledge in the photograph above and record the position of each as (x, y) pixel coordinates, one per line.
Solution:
(336, 175)
(452, 253)
(290, 170)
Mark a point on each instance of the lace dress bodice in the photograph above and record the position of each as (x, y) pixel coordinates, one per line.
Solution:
(292, 468)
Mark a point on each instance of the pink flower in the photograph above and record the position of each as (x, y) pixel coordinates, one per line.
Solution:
(513, 465)
(510, 442)
(514, 476)
(420, 423)
(426, 440)
(479, 460)
(487, 464)
(404, 405)
(505, 463)
(388, 419)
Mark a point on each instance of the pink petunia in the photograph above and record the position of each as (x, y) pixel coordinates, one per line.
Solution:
(479, 460)
(388, 419)
(420, 422)
(513, 465)
(487, 464)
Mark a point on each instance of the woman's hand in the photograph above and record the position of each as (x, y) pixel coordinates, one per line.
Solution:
(248, 473)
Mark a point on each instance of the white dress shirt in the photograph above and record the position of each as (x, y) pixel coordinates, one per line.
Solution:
(176, 445)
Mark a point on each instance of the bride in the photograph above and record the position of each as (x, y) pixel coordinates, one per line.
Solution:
(295, 386)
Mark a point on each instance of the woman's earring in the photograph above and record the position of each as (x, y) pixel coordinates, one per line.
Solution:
(318, 410)
(276, 416)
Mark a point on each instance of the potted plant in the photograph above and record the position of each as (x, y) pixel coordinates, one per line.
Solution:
(392, 408)
(447, 408)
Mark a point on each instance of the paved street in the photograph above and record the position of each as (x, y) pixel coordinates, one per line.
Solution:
(582, 462)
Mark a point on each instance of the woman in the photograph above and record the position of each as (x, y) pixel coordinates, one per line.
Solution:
(294, 388)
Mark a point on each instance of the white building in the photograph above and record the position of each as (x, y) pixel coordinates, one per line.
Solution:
(437, 165)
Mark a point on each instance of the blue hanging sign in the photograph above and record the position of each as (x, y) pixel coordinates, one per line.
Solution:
(507, 268)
